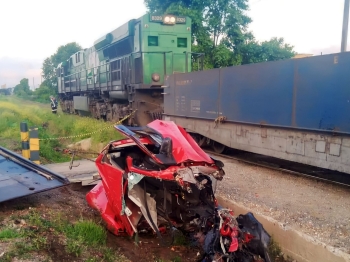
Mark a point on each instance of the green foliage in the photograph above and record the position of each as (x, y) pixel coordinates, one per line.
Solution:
(109, 255)
(177, 259)
(9, 233)
(272, 50)
(13, 111)
(180, 239)
(42, 231)
(221, 56)
(75, 246)
(43, 93)
(23, 89)
(274, 249)
(50, 64)
(87, 232)
(22, 249)
(220, 30)
(40, 94)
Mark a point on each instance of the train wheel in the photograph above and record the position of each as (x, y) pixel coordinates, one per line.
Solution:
(199, 139)
(218, 147)
(202, 140)
(196, 138)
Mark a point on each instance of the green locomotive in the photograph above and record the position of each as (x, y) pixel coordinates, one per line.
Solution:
(126, 70)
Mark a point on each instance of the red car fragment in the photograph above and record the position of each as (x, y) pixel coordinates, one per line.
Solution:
(157, 179)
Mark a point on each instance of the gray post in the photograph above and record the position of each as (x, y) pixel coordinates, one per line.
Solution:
(345, 26)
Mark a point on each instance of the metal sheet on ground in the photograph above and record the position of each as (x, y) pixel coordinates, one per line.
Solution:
(20, 177)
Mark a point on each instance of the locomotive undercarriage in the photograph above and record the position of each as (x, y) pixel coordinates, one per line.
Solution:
(98, 108)
(146, 106)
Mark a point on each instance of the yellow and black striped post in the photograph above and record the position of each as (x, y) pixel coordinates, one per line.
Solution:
(34, 145)
(25, 140)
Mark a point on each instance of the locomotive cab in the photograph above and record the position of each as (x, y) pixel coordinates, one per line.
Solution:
(125, 70)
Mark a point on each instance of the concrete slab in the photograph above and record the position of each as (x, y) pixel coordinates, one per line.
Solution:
(83, 171)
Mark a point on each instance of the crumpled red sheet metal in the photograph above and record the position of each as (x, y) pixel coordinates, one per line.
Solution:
(157, 179)
(184, 146)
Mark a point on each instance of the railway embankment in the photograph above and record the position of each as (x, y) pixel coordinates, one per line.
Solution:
(56, 131)
(308, 219)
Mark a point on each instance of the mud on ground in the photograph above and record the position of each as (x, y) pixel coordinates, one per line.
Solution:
(70, 200)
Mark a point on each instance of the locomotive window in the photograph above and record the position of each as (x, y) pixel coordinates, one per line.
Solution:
(115, 68)
(116, 76)
(77, 57)
(115, 65)
(152, 40)
(182, 42)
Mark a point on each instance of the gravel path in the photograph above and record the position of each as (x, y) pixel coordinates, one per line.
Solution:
(315, 208)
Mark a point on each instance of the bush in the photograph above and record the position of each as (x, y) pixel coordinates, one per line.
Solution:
(42, 94)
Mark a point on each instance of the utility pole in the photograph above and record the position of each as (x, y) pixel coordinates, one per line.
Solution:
(344, 40)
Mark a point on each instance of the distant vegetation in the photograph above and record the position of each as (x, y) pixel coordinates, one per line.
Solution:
(220, 30)
(50, 64)
(41, 94)
(14, 110)
(49, 85)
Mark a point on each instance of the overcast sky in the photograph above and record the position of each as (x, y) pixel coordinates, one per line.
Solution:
(32, 30)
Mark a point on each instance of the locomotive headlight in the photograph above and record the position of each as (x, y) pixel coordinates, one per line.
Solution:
(169, 19)
(155, 77)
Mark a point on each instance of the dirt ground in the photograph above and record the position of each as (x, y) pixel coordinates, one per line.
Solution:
(71, 200)
(317, 209)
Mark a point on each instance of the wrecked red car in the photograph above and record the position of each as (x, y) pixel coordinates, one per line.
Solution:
(158, 179)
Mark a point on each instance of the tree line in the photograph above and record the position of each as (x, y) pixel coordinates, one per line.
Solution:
(49, 85)
(40, 94)
(219, 29)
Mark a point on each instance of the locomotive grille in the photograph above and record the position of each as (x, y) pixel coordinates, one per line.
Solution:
(156, 115)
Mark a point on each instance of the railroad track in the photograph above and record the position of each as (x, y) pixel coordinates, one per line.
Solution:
(325, 175)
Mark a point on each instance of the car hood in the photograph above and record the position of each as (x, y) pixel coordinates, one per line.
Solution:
(181, 146)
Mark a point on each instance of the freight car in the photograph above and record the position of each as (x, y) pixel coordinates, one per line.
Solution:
(125, 69)
(6, 91)
(295, 109)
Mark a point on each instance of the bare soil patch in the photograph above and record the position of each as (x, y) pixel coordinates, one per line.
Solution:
(70, 200)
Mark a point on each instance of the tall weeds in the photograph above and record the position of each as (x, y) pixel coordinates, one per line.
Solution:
(13, 111)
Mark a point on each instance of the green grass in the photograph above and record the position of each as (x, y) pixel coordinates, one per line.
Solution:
(9, 233)
(87, 232)
(83, 238)
(13, 111)
(180, 239)
(275, 251)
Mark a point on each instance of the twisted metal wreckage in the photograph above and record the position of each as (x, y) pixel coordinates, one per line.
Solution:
(158, 179)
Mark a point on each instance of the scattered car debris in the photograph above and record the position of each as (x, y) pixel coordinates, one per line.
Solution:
(158, 179)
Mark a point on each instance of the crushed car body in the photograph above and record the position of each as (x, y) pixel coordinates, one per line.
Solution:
(158, 179)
